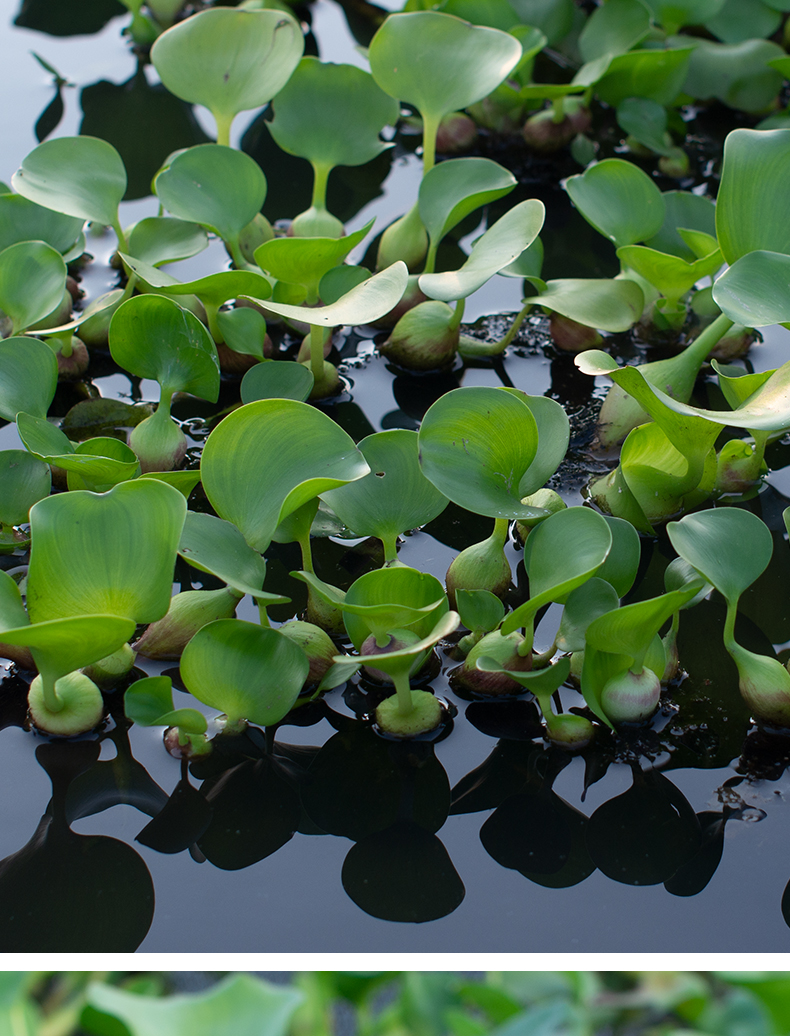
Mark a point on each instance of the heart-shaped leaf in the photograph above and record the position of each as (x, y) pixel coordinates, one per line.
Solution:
(276, 380)
(111, 553)
(32, 281)
(24, 220)
(394, 496)
(24, 480)
(28, 377)
(305, 260)
(619, 200)
(149, 703)
(216, 546)
(671, 275)
(611, 305)
(249, 672)
(229, 60)
(161, 239)
(79, 176)
(456, 187)
(755, 290)
(153, 337)
(314, 455)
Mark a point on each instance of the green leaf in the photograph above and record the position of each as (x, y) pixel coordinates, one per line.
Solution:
(748, 220)
(394, 497)
(743, 20)
(755, 290)
(613, 28)
(216, 546)
(314, 455)
(305, 260)
(439, 63)
(402, 660)
(645, 121)
(477, 445)
(674, 14)
(736, 73)
(153, 337)
(453, 189)
(658, 75)
(630, 630)
(365, 303)
(24, 220)
(249, 672)
(611, 305)
(217, 187)
(229, 60)
(332, 114)
(99, 463)
(672, 276)
(149, 703)
(32, 281)
(244, 331)
(559, 555)
(79, 176)
(622, 562)
(161, 239)
(28, 377)
(281, 379)
(24, 480)
(480, 610)
(111, 553)
(212, 290)
(593, 598)
(619, 200)
(706, 540)
(12, 610)
(687, 210)
(500, 245)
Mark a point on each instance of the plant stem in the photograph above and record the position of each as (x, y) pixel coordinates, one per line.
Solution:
(321, 176)
(703, 343)
(223, 122)
(317, 352)
(729, 625)
(430, 127)
(403, 690)
(558, 108)
(457, 316)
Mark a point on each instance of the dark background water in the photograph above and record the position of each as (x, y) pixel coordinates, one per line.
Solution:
(294, 899)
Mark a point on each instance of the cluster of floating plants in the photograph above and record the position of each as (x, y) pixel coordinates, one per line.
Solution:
(92, 526)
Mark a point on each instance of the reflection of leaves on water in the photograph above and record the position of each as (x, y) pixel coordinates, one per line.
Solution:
(67, 17)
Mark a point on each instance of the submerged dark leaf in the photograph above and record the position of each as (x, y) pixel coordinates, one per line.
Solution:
(49, 119)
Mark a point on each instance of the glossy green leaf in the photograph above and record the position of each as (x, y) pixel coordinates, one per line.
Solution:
(212, 290)
(477, 445)
(394, 496)
(149, 703)
(217, 187)
(658, 75)
(162, 239)
(370, 300)
(584, 604)
(99, 463)
(24, 220)
(229, 60)
(755, 290)
(60, 646)
(402, 660)
(736, 73)
(610, 305)
(622, 562)
(528, 264)
(314, 455)
(615, 27)
(12, 610)
(305, 260)
(687, 210)
(453, 189)
(560, 554)
(439, 63)
(708, 542)
(619, 200)
(79, 176)
(749, 219)
(480, 610)
(540, 681)
(247, 671)
(24, 480)
(332, 114)
(243, 330)
(672, 276)
(32, 281)
(383, 600)
(501, 244)
(737, 384)
(153, 337)
(630, 630)
(646, 122)
(216, 546)
(338, 281)
(28, 377)
(554, 18)
(111, 553)
(282, 379)
(42, 438)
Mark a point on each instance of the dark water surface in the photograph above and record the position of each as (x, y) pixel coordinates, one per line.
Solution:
(704, 782)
